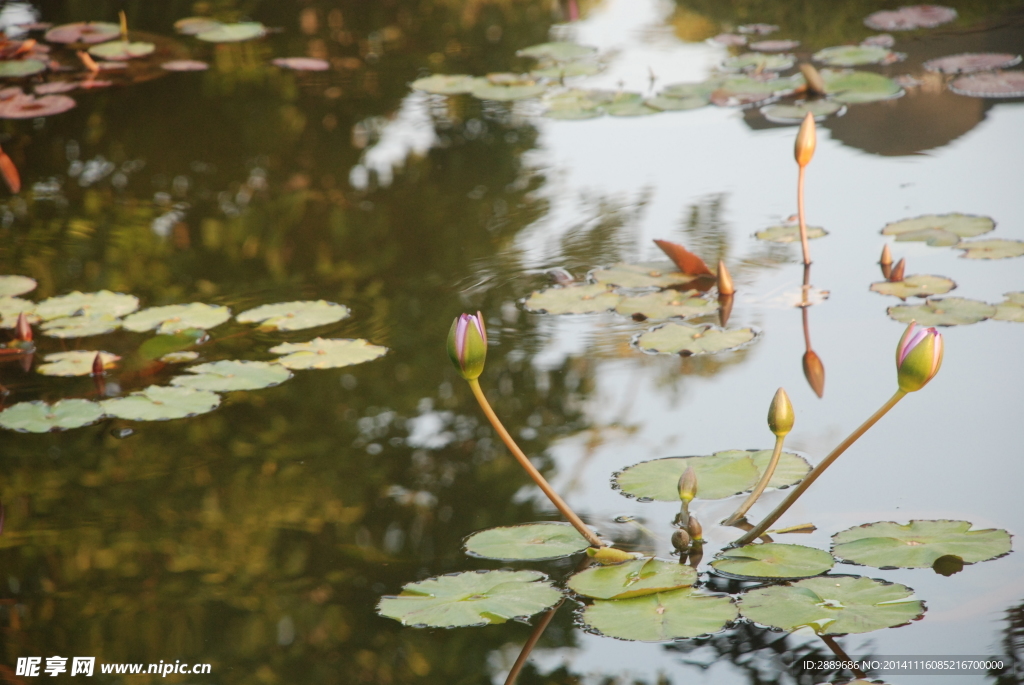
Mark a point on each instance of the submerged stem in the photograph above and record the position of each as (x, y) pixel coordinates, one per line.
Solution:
(761, 485)
(531, 642)
(841, 653)
(800, 215)
(531, 470)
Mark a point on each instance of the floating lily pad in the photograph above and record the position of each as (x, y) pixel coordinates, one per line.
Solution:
(560, 70)
(970, 62)
(118, 50)
(666, 103)
(560, 52)
(160, 403)
(649, 275)
(20, 68)
(855, 55)
(882, 40)
(720, 475)
(507, 87)
(161, 345)
(629, 105)
(577, 104)
(684, 339)
(470, 599)
(1004, 84)
(102, 303)
(794, 114)
(30, 107)
(940, 230)
(948, 311)
(1011, 309)
(666, 304)
(991, 249)
(447, 84)
(660, 617)
(729, 40)
(294, 316)
(40, 417)
(773, 560)
(757, 29)
(179, 357)
(632, 579)
(857, 87)
(83, 32)
(184, 65)
(759, 61)
(16, 285)
(918, 544)
(191, 26)
(233, 33)
(747, 90)
(580, 298)
(789, 233)
(775, 45)
(225, 376)
(80, 326)
(77, 363)
(832, 605)
(331, 353)
(529, 541)
(910, 18)
(915, 286)
(174, 318)
(10, 307)
(301, 63)
(702, 89)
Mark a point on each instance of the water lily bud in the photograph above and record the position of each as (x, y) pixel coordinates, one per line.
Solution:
(688, 484)
(886, 257)
(467, 345)
(814, 371)
(918, 357)
(780, 413)
(22, 329)
(696, 530)
(97, 365)
(681, 541)
(806, 139)
(896, 273)
(610, 555)
(815, 83)
(725, 286)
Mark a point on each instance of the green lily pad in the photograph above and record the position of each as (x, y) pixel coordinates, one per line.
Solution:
(628, 105)
(470, 599)
(559, 52)
(945, 311)
(83, 32)
(161, 403)
(1011, 309)
(789, 233)
(102, 303)
(794, 114)
(918, 544)
(77, 363)
(566, 69)
(16, 285)
(991, 249)
(773, 560)
(855, 55)
(330, 353)
(940, 230)
(80, 326)
(687, 340)
(667, 103)
(759, 60)
(447, 84)
(529, 541)
(20, 68)
(660, 617)
(702, 89)
(179, 357)
(40, 417)
(294, 316)
(577, 104)
(175, 318)
(746, 90)
(856, 87)
(582, 298)
(915, 286)
(225, 376)
(666, 304)
(832, 605)
(11, 307)
(161, 345)
(647, 275)
(720, 475)
(506, 91)
(119, 50)
(233, 33)
(191, 26)
(632, 579)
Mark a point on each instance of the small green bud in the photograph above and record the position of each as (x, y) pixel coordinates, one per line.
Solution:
(780, 413)
(688, 485)
(467, 345)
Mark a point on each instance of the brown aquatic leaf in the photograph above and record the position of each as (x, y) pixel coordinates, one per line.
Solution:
(689, 263)
(10, 173)
(972, 61)
(814, 371)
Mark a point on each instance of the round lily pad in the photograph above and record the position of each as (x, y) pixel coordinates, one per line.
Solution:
(910, 18)
(225, 376)
(118, 50)
(832, 605)
(40, 417)
(666, 304)
(856, 87)
(174, 318)
(1011, 309)
(883, 40)
(184, 65)
(160, 345)
(757, 29)
(83, 32)
(504, 90)
(972, 61)
(294, 316)
(160, 403)
(20, 68)
(701, 89)
(31, 107)
(649, 275)
(789, 233)
(80, 326)
(775, 45)
(773, 560)
(947, 311)
(632, 579)
(10, 307)
(687, 340)
(529, 541)
(179, 357)
(301, 63)
(918, 544)
(939, 230)
(719, 475)
(668, 103)
(77, 363)
(759, 61)
(629, 108)
(1003, 84)
(102, 303)
(16, 285)
(331, 353)
(233, 33)
(660, 617)
(560, 70)
(582, 298)
(470, 599)
(446, 84)
(855, 55)
(991, 249)
(560, 51)
(745, 90)
(794, 114)
(577, 104)
(915, 286)
(191, 26)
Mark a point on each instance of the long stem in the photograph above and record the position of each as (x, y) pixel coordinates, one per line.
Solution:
(762, 484)
(800, 215)
(839, 652)
(531, 642)
(818, 470)
(539, 479)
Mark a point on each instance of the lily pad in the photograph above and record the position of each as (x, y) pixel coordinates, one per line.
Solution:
(529, 541)
(507, 91)
(174, 318)
(855, 55)
(16, 285)
(741, 90)
(20, 68)
(687, 340)
(31, 107)
(646, 275)
(856, 87)
(629, 105)
(948, 311)
(701, 89)
(918, 544)
(757, 29)
(1011, 309)
(577, 104)
(118, 50)
(794, 114)
(225, 376)
(184, 65)
(161, 403)
(667, 103)
(80, 326)
(40, 417)
(789, 233)
(882, 40)
(233, 33)
(910, 18)
(1004, 84)
(191, 26)
(728, 40)
(939, 230)
(968, 62)
(77, 363)
(666, 304)
(759, 61)
(160, 345)
(632, 579)
(773, 560)
(447, 84)
(179, 357)
(10, 307)
(83, 32)
(560, 70)
(470, 599)
(560, 51)
(294, 316)
(301, 63)
(915, 286)
(580, 298)
(991, 249)
(102, 303)
(660, 617)
(331, 353)
(720, 475)
(775, 45)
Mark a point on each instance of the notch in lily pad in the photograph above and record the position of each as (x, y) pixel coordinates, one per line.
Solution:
(526, 542)
(161, 403)
(40, 417)
(772, 560)
(939, 230)
(632, 579)
(687, 340)
(661, 617)
(231, 375)
(943, 311)
(918, 544)
(294, 316)
(330, 353)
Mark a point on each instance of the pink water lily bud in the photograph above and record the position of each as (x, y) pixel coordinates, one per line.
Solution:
(467, 345)
(918, 357)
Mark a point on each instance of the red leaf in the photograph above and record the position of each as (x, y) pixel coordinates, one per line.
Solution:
(687, 262)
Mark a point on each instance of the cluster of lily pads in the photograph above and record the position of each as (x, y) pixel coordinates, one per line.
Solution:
(181, 330)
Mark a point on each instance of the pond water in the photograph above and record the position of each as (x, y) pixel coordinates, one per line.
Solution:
(259, 537)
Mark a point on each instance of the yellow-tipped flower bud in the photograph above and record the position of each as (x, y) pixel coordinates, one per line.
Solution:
(725, 286)
(696, 530)
(806, 140)
(610, 555)
(918, 357)
(467, 345)
(780, 413)
(688, 485)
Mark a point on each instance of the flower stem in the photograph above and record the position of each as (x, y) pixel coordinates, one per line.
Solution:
(818, 470)
(539, 479)
(762, 484)
(800, 215)
(534, 638)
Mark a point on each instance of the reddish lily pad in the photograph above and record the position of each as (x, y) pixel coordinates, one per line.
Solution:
(120, 50)
(30, 107)
(185, 65)
(76, 363)
(910, 18)
(83, 32)
(972, 61)
(1005, 84)
(191, 26)
(775, 45)
(882, 40)
(302, 63)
